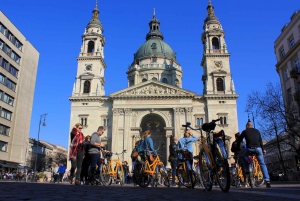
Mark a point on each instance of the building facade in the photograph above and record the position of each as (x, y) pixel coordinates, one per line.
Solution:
(19, 62)
(154, 98)
(287, 51)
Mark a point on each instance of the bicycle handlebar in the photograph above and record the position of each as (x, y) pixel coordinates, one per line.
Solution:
(188, 124)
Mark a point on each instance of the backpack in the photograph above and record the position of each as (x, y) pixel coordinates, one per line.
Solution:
(135, 150)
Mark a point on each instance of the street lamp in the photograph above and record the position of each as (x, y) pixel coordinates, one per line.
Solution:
(42, 119)
(252, 117)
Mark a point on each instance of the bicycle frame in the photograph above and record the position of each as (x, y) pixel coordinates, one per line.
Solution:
(114, 165)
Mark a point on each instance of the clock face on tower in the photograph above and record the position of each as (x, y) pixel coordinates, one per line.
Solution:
(88, 68)
(218, 64)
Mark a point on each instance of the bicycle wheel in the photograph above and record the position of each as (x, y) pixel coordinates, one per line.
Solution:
(165, 180)
(221, 169)
(205, 170)
(257, 174)
(104, 175)
(183, 175)
(140, 177)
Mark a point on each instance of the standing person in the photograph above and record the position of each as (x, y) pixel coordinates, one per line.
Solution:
(55, 173)
(186, 144)
(76, 152)
(94, 152)
(86, 160)
(126, 172)
(234, 147)
(254, 145)
(173, 158)
(61, 172)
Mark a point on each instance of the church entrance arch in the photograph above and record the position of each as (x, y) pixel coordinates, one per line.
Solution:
(155, 123)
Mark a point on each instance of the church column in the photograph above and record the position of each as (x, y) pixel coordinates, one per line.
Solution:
(177, 121)
(115, 126)
(189, 117)
(169, 134)
(127, 117)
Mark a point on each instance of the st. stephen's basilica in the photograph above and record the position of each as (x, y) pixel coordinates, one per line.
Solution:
(154, 98)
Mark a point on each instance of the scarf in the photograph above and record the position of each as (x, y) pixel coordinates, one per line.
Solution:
(78, 139)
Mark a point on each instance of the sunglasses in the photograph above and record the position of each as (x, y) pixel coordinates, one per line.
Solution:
(80, 128)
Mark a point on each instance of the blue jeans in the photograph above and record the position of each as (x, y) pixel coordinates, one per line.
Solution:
(95, 160)
(173, 166)
(260, 157)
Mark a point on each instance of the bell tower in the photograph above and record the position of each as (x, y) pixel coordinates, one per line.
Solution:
(215, 61)
(90, 71)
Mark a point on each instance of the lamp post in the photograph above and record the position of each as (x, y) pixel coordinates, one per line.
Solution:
(252, 117)
(42, 119)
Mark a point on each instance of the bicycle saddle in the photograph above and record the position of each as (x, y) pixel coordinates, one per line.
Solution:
(209, 126)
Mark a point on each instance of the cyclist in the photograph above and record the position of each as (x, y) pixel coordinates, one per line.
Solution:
(147, 144)
(186, 144)
(254, 145)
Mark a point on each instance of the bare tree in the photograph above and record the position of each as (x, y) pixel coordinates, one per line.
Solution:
(276, 118)
(61, 157)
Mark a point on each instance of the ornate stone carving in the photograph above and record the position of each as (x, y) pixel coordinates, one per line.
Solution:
(134, 116)
(179, 110)
(189, 110)
(118, 111)
(153, 89)
(128, 111)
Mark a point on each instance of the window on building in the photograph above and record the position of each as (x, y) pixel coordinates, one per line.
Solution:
(297, 64)
(199, 121)
(87, 87)
(8, 99)
(6, 114)
(144, 80)
(91, 47)
(10, 36)
(83, 121)
(281, 52)
(1, 44)
(2, 79)
(131, 83)
(15, 57)
(154, 79)
(2, 29)
(285, 74)
(220, 84)
(13, 70)
(1, 94)
(18, 44)
(164, 80)
(4, 63)
(3, 146)
(4, 130)
(292, 42)
(223, 118)
(154, 59)
(215, 43)
(289, 94)
(105, 122)
(7, 49)
(10, 84)
(177, 82)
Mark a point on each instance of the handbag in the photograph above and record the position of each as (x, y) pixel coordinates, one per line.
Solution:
(134, 155)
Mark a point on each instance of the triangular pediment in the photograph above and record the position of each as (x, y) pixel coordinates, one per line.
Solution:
(152, 89)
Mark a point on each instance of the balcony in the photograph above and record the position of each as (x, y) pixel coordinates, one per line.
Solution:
(297, 96)
(295, 72)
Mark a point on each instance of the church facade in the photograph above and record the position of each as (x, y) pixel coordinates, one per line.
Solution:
(154, 98)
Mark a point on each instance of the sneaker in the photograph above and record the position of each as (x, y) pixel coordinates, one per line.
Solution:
(268, 185)
(174, 185)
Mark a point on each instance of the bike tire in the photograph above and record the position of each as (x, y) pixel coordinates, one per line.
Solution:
(258, 175)
(164, 176)
(222, 170)
(142, 179)
(106, 179)
(205, 170)
(183, 176)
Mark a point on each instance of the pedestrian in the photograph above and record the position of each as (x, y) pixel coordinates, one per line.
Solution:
(55, 173)
(61, 172)
(126, 172)
(147, 144)
(76, 152)
(253, 145)
(86, 160)
(173, 159)
(94, 152)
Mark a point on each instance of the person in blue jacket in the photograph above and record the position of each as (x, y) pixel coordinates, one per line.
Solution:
(147, 143)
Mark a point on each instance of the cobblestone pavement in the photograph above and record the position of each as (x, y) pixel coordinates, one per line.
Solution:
(11, 191)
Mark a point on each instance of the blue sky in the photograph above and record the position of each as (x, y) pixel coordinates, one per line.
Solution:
(55, 28)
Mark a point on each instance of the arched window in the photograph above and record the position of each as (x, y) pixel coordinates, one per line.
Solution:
(131, 82)
(154, 79)
(87, 87)
(220, 84)
(164, 80)
(215, 43)
(144, 80)
(225, 120)
(221, 120)
(91, 46)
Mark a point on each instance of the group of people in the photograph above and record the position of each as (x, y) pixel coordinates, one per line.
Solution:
(85, 152)
(58, 172)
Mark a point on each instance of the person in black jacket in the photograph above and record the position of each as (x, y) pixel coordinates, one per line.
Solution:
(234, 147)
(173, 158)
(254, 145)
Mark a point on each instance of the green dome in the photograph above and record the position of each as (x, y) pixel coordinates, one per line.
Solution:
(155, 47)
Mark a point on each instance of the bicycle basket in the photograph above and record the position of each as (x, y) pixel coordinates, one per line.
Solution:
(209, 126)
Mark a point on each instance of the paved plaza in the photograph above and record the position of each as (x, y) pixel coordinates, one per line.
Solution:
(11, 191)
